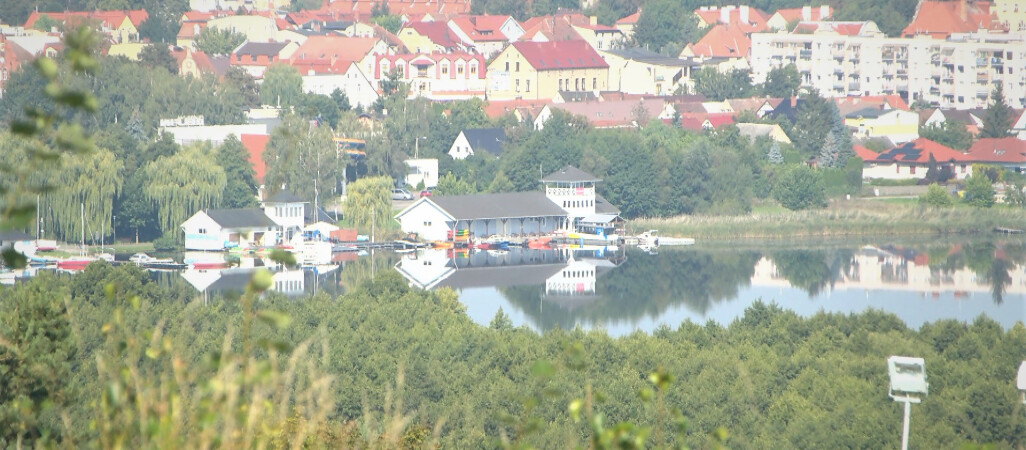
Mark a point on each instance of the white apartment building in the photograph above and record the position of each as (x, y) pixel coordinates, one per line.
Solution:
(959, 72)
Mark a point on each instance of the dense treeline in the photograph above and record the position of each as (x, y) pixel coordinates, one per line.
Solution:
(771, 378)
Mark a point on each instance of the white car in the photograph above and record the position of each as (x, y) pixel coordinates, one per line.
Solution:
(401, 194)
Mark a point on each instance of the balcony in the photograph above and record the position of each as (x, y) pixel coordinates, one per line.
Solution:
(805, 54)
(854, 86)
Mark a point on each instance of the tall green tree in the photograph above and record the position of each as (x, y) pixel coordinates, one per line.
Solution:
(163, 20)
(718, 86)
(240, 185)
(951, 133)
(666, 26)
(246, 84)
(449, 184)
(215, 41)
(979, 191)
(997, 121)
(814, 120)
(782, 81)
(282, 85)
(368, 203)
(301, 157)
(90, 181)
(158, 55)
(184, 183)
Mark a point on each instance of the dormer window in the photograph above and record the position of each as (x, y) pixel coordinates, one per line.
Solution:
(445, 68)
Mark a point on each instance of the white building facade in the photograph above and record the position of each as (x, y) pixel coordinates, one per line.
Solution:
(959, 72)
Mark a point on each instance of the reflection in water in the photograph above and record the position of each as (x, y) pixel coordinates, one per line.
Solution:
(631, 290)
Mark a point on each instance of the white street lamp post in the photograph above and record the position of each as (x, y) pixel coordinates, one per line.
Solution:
(908, 382)
(1020, 381)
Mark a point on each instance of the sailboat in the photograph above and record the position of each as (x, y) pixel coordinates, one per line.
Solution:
(81, 261)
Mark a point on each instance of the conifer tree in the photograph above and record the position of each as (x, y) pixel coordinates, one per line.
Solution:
(774, 155)
(998, 118)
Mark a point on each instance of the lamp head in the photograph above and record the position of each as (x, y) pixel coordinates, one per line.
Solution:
(908, 376)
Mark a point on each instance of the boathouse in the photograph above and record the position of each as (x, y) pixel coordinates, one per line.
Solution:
(568, 198)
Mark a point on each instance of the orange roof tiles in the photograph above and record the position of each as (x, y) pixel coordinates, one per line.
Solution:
(919, 151)
(865, 153)
(722, 41)
(255, 145)
(998, 150)
(438, 32)
(805, 14)
(482, 28)
(557, 27)
(939, 19)
(110, 19)
(631, 19)
(334, 48)
(750, 20)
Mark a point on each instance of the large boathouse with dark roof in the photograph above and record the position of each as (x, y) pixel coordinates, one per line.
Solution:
(569, 198)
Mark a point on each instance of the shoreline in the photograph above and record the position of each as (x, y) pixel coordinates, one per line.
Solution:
(855, 220)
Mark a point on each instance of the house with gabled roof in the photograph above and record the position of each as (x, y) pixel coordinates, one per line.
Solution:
(437, 76)
(539, 70)
(256, 28)
(601, 37)
(569, 197)
(911, 160)
(1019, 124)
(641, 71)
(897, 125)
(256, 57)
(219, 229)
(627, 24)
(940, 19)
(485, 34)
(725, 41)
(429, 37)
(473, 141)
(613, 113)
(744, 17)
(119, 25)
(556, 27)
(1008, 152)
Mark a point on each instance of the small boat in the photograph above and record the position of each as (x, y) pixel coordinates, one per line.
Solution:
(544, 242)
(442, 244)
(208, 265)
(652, 238)
(149, 262)
(77, 263)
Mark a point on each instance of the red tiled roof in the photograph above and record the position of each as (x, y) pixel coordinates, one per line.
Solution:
(865, 153)
(814, 14)
(939, 19)
(919, 151)
(841, 28)
(722, 41)
(631, 19)
(357, 9)
(110, 19)
(481, 28)
(255, 145)
(190, 30)
(333, 48)
(756, 22)
(437, 32)
(494, 108)
(612, 113)
(696, 122)
(998, 150)
(557, 27)
(560, 55)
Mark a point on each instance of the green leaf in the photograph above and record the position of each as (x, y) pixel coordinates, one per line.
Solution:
(262, 280)
(13, 258)
(283, 257)
(542, 369)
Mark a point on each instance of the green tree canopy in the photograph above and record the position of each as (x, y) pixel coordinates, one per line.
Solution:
(215, 41)
(782, 81)
(240, 187)
(282, 85)
(997, 121)
(301, 157)
(91, 181)
(979, 190)
(449, 184)
(666, 26)
(158, 55)
(184, 183)
(951, 133)
(718, 86)
(368, 203)
(936, 196)
(800, 187)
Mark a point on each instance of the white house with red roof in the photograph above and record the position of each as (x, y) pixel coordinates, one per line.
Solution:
(119, 25)
(627, 24)
(429, 37)
(748, 19)
(540, 70)
(437, 76)
(324, 76)
(911, 160)
(485, 34)
(941, 19)
(1009, 153)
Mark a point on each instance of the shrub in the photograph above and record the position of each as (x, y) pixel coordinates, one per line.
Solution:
(936, 196)
(800, 187)
(165, 243)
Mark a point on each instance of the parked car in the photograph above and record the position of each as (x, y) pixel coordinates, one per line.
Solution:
(401, 194)
(426, 192)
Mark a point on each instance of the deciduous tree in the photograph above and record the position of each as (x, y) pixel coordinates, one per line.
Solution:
(184, 183)
(282, 86)
(240, 187)
(800, 187)
(215, 41)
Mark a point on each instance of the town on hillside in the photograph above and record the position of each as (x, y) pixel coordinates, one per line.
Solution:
(208, 105)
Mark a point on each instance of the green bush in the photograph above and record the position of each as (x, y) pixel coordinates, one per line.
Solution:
(936, 196)
(165, 243)
(801, 187)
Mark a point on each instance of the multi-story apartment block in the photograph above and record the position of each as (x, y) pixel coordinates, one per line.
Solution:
(841, 60)
(1011, 14)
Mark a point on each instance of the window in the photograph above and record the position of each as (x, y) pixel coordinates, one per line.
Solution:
(507, 66)
(561, 85)
(912, 170)
(528, 82)
(473, 68)
(518, 66)
(427, 224)
(577, 84)
(459, 68)
(202, 231)
(594, 84)
(518, 84)
(445, 68)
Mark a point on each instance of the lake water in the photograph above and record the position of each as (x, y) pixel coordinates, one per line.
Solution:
(631, 290)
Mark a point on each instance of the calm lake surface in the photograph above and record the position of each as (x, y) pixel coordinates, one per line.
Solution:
(630, 290)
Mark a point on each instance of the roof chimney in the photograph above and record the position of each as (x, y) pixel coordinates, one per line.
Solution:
(744, 14)
(824, 12)
(725, 15)
(962, 13)
(593, 20)
(806, 13)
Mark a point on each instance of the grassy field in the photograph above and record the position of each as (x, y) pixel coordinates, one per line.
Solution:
(841, 219)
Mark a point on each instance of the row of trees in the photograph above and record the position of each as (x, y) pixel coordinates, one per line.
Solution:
(414, 361)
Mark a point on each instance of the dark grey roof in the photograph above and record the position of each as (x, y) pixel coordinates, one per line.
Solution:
(487, 139)
(14, 235)
(868, 113)
(241, 218)
(220, 63)
(261, 48)
(602, 206)
(786, 109)
(474, 277)
(284, 196)
(498, 206)
(650, 57)
(570, 174)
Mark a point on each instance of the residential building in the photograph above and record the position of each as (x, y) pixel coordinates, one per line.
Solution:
(897, 125)
(787, 16)
(18, 49)
(256, 57)
(705, 121)
(941, 19)
(557, 27)
(119, 25)
(600, 37)
(252, 5)
(472, 141)
(346, 76)
(627, 24)
(538, 70)
(485, 34)
(613, 113)
(746, 18)
(214, 134)
(256, 28)
(194, 63)
(423, 170)
(841, 59)
(287, 211)
(640, 71)
(330, 49)
(437, 76)
(429, 37)
(1009, 153)
(722, 41)
(754, 131)
(1011, 14)
(218, 229)
(911, 160)
(128, 50)
(1019, 125)
(569, 196)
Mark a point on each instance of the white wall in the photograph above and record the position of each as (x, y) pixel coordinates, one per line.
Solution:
(425, 219)
(202, 233)
(460, 148)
